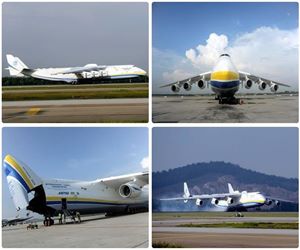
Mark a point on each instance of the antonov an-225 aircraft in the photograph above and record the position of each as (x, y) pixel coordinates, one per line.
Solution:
(114, 195)
(234, 200)
(225, 80)
(74, 74)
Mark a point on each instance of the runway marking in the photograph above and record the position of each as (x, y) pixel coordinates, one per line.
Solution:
(33, 111)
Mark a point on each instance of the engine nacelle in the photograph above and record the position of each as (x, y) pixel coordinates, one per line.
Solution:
(229, 200)
(199, 202)
(274, 88)
(277, 203)
(187, 86)
(248, 84)
(175, 88)
(201, 84)
(268, 202)
(214, 201)
(262, 85)
(129, 190)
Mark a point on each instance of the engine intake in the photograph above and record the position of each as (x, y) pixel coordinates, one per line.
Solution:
(187, 86)
(129, 190)
(199, 202)
(215, 201)
(229, 200)
(274, 87)
(175, 88)
(262, 85)
(248, 84)
(201, 84)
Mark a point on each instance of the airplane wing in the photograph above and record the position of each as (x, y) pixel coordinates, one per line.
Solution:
(204, 76)
(115, 182)
(257, 79)
(86, 68)
(279, 199)
(204, 197)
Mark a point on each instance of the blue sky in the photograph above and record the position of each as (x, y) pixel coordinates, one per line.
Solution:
(179, 27)
(74, 153)
(266, 150)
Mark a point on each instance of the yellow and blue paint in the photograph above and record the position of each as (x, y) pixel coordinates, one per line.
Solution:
(14, 169)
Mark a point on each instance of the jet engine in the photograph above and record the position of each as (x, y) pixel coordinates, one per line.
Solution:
(229, 200)
(199, 202)
(274, 87)
(262, 85)
(268, 202)
(201, 84)
(175, 88)
(277, 203)
(129, 190)
(187, 86)
(248, 84)
(214, 201)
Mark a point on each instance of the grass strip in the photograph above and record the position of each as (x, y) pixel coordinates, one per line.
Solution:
(118, 93)
(162, 244)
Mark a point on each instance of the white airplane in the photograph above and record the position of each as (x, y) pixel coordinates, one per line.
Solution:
(74, 74)
(120, 194)
(234, 200)
(225, 80)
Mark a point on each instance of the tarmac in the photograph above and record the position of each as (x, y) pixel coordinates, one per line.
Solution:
(69, 111)
(281, 108)
(127, 231)
(170, 231)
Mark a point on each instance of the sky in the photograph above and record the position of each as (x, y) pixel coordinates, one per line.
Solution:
(266, 150)
(262, 39)
(75, 153)
(47, 35)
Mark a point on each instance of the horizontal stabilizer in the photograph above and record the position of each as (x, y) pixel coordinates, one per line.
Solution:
(14, 72)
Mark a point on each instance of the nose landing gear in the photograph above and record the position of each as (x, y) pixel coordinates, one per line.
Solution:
(229, 100)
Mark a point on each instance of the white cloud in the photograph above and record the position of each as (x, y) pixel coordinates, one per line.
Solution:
(145, 162)
(266, 51)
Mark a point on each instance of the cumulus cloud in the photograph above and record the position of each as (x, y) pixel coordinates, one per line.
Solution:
(266, 51)
(145, 162)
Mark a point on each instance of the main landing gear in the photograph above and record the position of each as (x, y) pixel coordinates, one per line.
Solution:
(228, 100)
(48, 222)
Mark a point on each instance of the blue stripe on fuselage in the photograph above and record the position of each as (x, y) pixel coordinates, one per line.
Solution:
(225, 85)
(9, 170)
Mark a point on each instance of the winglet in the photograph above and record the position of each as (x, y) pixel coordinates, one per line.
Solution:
(186, 190)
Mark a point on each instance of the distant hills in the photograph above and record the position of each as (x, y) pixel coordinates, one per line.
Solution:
(212, 177)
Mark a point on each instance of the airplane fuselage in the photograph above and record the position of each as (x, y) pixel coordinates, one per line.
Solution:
(89, 197)
(224, 78)
(245, 201)
(110, 72)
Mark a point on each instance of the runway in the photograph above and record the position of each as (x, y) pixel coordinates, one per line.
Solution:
(77, 110)
(128, 231)
(171, 230)
(204, 109)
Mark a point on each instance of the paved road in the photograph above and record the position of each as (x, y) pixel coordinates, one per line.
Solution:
(247, 231)
(204, 109)
(87, 110)
(121, 232)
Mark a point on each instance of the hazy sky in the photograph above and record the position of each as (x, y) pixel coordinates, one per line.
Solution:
(75, 153)
(266, 150)
(262, 39)
(75, 34)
